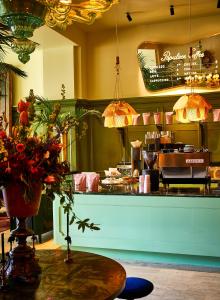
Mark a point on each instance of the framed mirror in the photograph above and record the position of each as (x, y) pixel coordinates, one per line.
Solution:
(170, 65)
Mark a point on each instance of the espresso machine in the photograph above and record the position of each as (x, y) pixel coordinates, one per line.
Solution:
(187, 166)
(150, 159)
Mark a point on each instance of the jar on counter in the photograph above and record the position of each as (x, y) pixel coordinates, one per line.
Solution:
(166, 137)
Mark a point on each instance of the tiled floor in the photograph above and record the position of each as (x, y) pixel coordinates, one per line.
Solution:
(169, 283)
(177, 284)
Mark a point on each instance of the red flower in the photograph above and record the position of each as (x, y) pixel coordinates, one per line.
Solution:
(20, 147)
(34, 170)
(56, 147)
(59, 146)
(21, 156)
(8, 170)
(23, 106)
(23, 110)
(30, 162)
(3, 134)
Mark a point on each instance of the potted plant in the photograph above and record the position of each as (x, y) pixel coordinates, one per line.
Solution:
(31, 164)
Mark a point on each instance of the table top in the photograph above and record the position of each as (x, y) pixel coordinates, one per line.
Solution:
(88, 277)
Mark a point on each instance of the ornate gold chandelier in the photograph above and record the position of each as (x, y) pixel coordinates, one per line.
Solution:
(64, 12)
(24, 16)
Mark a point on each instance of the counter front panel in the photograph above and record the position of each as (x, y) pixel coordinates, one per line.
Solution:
(151, 224)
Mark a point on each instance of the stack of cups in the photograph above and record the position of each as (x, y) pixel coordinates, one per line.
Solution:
(135, 119)
(146, 183)
(157, 118)
(79, 182)
(141, 184)
(92, 182)
(146, 118)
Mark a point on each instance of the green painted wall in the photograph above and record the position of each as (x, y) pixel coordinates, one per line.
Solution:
(102, 147)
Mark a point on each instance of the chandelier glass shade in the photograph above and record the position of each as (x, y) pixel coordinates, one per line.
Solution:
(23, 47)
(192, 107)
(24, 16)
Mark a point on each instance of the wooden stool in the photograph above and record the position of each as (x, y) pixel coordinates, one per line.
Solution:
(135, 288)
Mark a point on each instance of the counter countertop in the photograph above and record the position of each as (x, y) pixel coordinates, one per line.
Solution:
(172, 192)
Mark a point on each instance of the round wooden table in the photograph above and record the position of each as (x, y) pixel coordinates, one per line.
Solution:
(88, 277)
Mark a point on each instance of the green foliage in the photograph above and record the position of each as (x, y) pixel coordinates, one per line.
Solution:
(47, 114)
(66, 195)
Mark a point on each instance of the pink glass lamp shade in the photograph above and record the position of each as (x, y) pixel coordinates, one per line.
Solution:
(118, 114)
(193, 107)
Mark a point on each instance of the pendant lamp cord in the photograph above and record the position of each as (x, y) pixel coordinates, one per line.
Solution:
(190, 48)
(117, 67)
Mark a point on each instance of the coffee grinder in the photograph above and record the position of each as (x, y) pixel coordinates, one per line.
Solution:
(150, 159)
(136, 158)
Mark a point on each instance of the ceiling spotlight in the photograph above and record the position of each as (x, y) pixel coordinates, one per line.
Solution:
(128, 16)
(172, 10)
(218, 4)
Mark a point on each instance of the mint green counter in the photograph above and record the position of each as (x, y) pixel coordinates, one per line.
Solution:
(171, 229)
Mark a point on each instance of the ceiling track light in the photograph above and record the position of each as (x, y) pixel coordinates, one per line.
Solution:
(172, 10)
(218, 4)
(128, 15)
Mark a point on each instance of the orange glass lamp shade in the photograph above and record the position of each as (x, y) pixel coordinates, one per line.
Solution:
(191, 108)
(118, 114)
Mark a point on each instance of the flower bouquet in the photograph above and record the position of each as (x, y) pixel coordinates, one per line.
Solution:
(30, 159)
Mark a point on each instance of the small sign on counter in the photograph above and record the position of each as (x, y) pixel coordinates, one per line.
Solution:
(194, 160)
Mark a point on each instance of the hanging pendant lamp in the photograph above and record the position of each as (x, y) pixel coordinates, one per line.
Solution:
(191, 108)
(118, 113)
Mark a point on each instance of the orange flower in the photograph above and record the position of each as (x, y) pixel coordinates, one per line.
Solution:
(47, 155)
(50, 179)
(23, 118)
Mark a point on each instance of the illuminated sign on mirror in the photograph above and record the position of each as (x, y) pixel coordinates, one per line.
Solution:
(166, 66)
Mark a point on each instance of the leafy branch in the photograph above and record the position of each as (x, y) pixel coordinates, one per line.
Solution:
(47, 115)
(66, 195)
